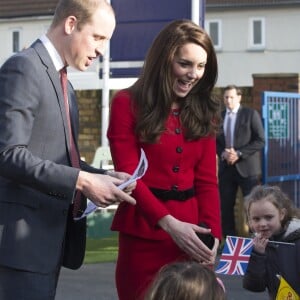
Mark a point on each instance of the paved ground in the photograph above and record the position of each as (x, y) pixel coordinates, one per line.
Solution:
(96, 282)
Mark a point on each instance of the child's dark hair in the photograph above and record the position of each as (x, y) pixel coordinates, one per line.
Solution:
(277, 197)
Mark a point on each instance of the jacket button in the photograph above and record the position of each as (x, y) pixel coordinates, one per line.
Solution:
(179, 149)
(174, 187)
(177, 130)
(176, 169)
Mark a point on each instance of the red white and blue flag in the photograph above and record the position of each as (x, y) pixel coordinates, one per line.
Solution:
(235, 256)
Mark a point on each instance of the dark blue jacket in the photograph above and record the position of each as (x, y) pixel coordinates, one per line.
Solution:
(278, 259)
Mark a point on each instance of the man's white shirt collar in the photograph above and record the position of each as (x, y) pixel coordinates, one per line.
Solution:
(235, 110)
(56, 58)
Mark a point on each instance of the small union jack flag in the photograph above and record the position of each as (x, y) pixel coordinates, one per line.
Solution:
(235, 256)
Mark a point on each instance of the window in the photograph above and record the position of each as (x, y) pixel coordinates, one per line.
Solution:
(15, 41)
(213, 28)
(257, 33)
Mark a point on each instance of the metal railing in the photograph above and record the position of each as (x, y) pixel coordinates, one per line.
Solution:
(281, 157)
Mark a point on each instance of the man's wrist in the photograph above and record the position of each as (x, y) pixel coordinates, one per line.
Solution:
(82, 180)
(239, 154)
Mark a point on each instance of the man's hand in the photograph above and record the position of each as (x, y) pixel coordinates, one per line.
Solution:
(124, 177)
(102, 189)
(230, 155)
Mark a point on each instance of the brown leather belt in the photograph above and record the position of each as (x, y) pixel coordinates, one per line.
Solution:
(166, 195)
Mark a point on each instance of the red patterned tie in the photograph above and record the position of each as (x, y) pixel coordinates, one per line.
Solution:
(73, 151)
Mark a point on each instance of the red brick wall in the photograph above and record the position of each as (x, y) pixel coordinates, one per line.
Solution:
(89, 103)
(281, 82)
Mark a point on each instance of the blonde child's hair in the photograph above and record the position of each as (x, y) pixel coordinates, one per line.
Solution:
(277, 197)
(185, 281)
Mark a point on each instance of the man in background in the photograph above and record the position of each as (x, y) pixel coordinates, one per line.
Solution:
(238, 147)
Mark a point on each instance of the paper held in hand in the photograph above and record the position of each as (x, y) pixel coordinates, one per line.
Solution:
(137, 174)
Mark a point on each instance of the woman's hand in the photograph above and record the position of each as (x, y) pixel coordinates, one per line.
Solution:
(215, 251)
(186, 239)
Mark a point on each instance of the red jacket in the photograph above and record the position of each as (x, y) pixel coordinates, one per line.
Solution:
(172, 161)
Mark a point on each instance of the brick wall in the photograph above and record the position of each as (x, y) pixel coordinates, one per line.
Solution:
(89, 103)
(280, 82)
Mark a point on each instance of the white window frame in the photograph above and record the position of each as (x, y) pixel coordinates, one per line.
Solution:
(252, 44)
(208, 23)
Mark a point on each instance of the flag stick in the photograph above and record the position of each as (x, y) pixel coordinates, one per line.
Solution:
(272, 242)
(284, 243)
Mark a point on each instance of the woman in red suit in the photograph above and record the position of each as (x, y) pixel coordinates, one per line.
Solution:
(170, 114)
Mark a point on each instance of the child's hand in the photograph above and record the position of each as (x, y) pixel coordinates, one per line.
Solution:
(260, 243)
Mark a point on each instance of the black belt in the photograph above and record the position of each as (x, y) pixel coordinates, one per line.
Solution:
(173, 194)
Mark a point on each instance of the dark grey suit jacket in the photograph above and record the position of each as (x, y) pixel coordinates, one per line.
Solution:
(36, 181)
(249, 138)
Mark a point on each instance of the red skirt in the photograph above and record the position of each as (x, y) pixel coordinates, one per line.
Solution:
(139, 260)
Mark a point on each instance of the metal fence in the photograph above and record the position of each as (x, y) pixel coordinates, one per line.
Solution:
(281, 157)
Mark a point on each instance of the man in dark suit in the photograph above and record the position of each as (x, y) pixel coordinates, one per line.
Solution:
(238, 148)
(41, 175)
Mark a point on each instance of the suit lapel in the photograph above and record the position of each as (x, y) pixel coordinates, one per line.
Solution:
(237, 123)
(223, 114)
(55, 80)
(222, 133)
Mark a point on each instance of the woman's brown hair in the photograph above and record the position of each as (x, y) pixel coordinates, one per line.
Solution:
(153, 94)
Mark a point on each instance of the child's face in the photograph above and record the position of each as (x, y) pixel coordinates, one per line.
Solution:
(265, 218)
